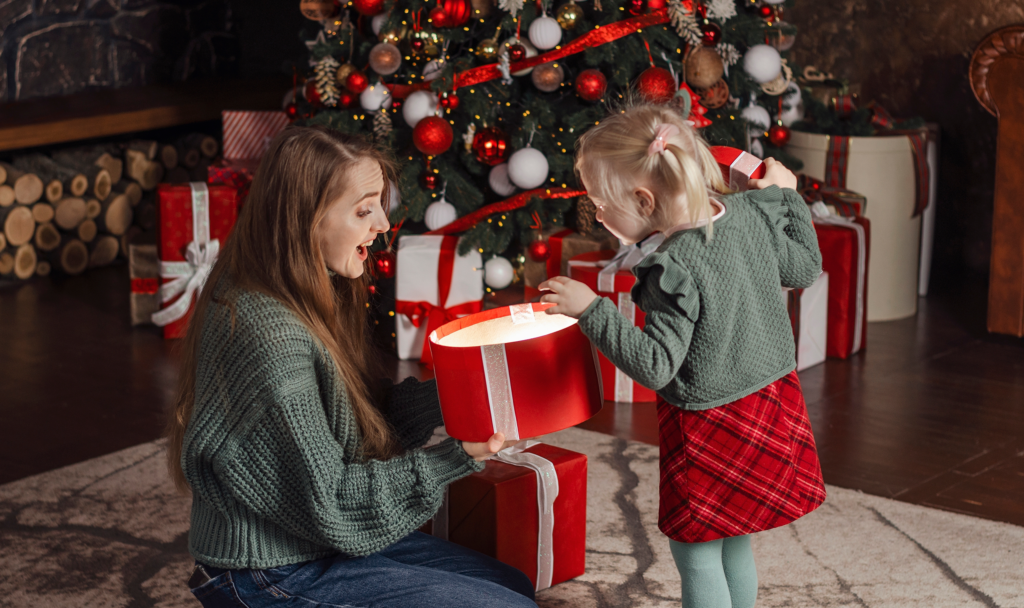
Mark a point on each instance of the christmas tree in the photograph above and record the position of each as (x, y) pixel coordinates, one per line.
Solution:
(482, 103)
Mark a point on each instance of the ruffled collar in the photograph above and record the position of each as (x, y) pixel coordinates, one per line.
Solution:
(701, 222)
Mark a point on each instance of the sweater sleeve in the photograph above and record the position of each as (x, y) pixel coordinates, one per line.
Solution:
(796, 242)
(413, 410)
(653, 355)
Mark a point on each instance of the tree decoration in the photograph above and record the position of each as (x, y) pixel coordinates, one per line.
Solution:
(292, 110)
(326, 85)
(498, 180)
(375, 97)
(545, 33)
(384, 265)
(317, 10)
(528, 168)
(382, 126)
(430, 42)
(433, 69)
(548, 77)
(356, 81)
(488, 48)
(429, 180)
(516, 52)
(418, 106)
(721, 10)
(377, 23)
(656, 85)
(781, 36)
(449, 101)
(310, 92)
(730, 55)
(703, 68)
(715, 96)
(758, 119)
(481, 8)
(341, 76)
(591, 85)
(432, 136)
(457, 12)
(368, 8)
(438, 17)
(512, 7)
(779, 135)
(762, 63)
(491, 146)
(539, 250)
(711, 33)
(440, 213)
(347, 99)
(531, 51)
(685, 23)
(569, 15)
(498, 273)
(385, 58)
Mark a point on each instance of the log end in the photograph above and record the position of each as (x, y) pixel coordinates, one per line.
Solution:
(25, 261)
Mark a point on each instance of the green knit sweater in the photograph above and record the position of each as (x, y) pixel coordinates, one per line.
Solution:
(717, 327)
(272, 451)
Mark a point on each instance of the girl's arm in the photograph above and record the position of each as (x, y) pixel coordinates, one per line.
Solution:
(796, 242)
(412, 409)
(653, 355)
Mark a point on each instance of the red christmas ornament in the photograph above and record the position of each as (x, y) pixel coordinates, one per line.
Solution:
(457, 12)
(539, 251)
(429, 180)
(765, 11)
(491, 146)
(292, 111)
(779, 135)
(368, 8)
(433, 135)
(653, 5)
(347, 99)
(312, 95)
(439, 17)
(357, 82)
(636, 7)
(711, 33)
(591, 85)
(384, 264)
(656, 85)
(417, 45)
(450, 101)
(516, 52)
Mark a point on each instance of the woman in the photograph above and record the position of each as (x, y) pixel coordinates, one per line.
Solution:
(308, 479)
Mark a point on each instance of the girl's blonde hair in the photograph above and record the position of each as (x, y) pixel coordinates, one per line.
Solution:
(613, 159)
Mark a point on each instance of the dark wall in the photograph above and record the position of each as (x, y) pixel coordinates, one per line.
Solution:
(268, 34)
(912, 56)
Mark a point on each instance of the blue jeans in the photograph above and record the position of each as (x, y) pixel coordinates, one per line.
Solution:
(417, 571)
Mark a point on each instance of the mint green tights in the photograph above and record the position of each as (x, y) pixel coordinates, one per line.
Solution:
(717, 574)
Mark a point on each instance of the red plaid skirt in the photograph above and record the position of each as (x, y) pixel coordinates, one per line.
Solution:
(740, 468)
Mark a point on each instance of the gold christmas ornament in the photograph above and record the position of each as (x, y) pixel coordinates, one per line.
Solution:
(394, 35)
(385, 58)
(569, 15)
(488, 49)
(548, 76)
(481, 8)
(317, 10)
(343, 73)
(703, 68)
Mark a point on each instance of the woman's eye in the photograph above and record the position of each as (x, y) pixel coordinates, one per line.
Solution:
(364, 213)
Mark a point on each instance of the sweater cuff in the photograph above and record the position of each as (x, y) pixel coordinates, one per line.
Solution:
(596, 315)
(450, 463)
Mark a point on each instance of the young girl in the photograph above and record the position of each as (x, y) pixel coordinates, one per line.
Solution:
(737, 454)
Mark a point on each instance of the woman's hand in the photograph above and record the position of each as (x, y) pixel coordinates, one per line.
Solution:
(776, 174)
(570, 297)
(482, 451)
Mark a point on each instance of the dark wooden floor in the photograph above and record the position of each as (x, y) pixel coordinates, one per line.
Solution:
(932, 413)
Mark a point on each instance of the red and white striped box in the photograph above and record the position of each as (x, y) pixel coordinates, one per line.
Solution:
(247, 134)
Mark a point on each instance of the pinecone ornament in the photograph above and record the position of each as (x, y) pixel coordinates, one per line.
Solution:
(325, 75)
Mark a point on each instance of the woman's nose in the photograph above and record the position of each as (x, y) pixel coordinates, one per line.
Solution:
(381, 223)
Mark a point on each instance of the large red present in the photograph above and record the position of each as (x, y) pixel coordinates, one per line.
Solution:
(515, 370)
(609, 274)
(528, 509)
(195, 221)
(845, 245)
(236, 173)
(247, 134)
(563, 246)
(738, 167)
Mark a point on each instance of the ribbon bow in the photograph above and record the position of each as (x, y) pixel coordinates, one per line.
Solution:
(625, 259)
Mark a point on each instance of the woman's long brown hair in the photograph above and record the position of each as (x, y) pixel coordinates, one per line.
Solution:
(273, 249)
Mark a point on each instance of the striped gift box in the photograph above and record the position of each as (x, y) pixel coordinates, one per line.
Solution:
(247, 134)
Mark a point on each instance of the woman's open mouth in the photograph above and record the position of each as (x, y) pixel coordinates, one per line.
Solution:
(364, 250)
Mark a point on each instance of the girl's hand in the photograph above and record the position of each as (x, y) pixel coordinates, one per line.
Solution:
(483, 451)
(570, 297)
(776, 174)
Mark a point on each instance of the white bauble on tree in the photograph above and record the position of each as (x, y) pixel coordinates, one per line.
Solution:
(499, 181)
(418, 106)
(763, 63)
(377, 23)
(774, 1)
(531, 51)
(498, 273)
(375, 97)
(757, 148)
(545, 33)
(793, 105)
(528, 168)
(432, 70)
(439, 213)
(394, 199)
(758, 118)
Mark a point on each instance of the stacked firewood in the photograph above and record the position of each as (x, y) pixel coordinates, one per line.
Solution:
(81, 207)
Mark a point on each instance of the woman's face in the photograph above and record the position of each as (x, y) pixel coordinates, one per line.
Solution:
(354, 220)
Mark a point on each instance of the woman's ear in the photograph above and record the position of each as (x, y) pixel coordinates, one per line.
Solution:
(645, 201)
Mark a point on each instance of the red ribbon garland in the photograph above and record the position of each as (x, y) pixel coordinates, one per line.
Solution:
(596, 37)
(510, 204)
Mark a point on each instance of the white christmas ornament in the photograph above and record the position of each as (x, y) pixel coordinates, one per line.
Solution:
(545, 33)
(418, 106)
(792, 105)
(394, 199)
(439, 213)
(757, 148)
(378, 22)
(763, 63)
(531, 51)
(499, 182)
(758, 118)
(498, 273)
(375, 97)
(774, 1)
(528, 168)
(432, 70)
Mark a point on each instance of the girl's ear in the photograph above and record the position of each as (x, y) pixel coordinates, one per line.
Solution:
(645, 201)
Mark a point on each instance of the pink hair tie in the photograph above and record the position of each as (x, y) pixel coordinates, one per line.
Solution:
(663, 132)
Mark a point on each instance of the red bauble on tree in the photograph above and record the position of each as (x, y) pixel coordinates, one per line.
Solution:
(711, 33)
(779, 135)
(292, 111)
(347, 99)
(357, 82)
(417, 45)
(384, 264)
(591, 85)
(516, 52)
(450, 101)
(491, 146)
(438, 17)
(429, 180)
(312, 95)
(656, 85)
(457, 12)
(539, 250)
(433, 135)
(368, 7)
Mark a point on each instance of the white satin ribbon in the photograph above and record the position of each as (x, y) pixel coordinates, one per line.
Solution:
(200, 255)
(623, 383)
(499, 391)
(625, 259)
(821, 215)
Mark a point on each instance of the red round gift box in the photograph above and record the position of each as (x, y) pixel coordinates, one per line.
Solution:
(553, 381)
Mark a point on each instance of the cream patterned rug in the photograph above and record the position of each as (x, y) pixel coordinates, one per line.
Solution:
(112, 532)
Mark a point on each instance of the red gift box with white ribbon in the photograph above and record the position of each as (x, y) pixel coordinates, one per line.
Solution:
(195, 222)
(527, 508)
(845, 245)
(515, 370)
(247, 134)
(738, 167)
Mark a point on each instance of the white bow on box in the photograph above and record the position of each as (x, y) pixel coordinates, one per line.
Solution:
(200, 255)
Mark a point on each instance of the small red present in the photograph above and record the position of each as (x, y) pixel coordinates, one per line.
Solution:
(839, 201)
(236, 173)
(247, 134)
(195, 221)
(738, 167)
(563, 246)
(845, 245)
(609, 274)
(528, 509)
